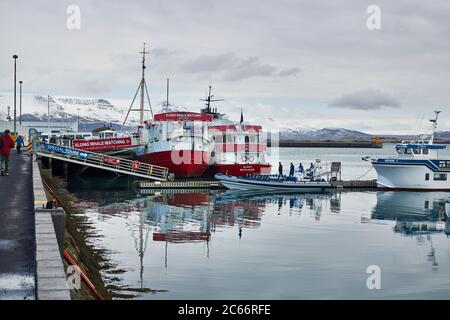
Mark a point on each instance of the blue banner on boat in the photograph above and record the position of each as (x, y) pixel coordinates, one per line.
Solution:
(63, 150)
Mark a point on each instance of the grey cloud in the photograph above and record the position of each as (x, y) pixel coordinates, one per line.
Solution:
(257, 39)
(233, 68)
(289, 72)
(366, 100)
(94, 86)
(162, 52)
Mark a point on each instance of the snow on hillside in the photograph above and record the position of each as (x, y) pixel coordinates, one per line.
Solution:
(34, 108)
(312, 133)
(114, 111)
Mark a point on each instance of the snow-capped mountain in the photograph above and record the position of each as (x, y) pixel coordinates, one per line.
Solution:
(35, 108)
(325, 133)
(89, 110)
(93, 112)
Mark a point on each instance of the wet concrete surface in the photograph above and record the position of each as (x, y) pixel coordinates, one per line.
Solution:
(17, 235)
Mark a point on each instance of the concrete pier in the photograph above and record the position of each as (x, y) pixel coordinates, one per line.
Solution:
(17, 231)
(51, 281)
(31, 266)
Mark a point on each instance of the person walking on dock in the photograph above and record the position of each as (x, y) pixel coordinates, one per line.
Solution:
(291, 170)
(6, 144)
(19, 144)
(280, 170)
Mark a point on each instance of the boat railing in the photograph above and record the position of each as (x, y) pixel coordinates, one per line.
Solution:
(283, 178)
(103, 161)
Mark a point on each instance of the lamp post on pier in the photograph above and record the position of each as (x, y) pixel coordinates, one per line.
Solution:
(20, 102)
(78, 119)
(15, 91)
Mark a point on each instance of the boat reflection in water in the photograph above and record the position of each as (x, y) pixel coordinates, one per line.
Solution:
(200, 243)
(190, 216)
(416, 214)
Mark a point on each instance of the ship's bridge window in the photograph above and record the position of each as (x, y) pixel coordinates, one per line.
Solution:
(404, 151)
(440, 177)
(425, 151)
(416, 151)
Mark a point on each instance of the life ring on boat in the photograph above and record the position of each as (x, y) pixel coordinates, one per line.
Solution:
(135, 165)
(248, 158)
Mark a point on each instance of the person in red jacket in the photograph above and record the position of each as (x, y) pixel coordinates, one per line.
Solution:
(6, 144)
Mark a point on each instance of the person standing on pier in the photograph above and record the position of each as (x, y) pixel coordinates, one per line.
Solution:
(280, 170)
(291, 170)
(19, 144)
(6, 144)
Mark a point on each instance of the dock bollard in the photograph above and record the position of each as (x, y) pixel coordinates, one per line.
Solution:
(30, 147)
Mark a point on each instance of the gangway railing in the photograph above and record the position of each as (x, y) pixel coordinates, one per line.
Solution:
(103, 161)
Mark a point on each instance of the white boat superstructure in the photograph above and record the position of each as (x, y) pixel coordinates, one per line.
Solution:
(418, 164)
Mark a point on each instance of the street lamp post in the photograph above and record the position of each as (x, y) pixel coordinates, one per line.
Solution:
(20, 101)
(78, 119)
(15, 90)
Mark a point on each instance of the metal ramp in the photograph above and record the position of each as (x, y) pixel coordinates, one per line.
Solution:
(102, 161)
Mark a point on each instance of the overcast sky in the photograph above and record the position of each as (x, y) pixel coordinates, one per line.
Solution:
(287, 63)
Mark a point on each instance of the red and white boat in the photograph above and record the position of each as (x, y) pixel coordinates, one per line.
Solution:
(178, 141)
(239, 148)
(189, 143)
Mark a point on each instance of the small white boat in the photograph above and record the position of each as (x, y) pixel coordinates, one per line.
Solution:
(418, 166)
(271, 183)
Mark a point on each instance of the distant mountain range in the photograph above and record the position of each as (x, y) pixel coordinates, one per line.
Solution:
(325, 133)
(94, 113)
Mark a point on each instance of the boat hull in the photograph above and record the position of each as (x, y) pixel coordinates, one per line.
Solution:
(239, 169)
(194, 164)
(412, 177)
(236, 183)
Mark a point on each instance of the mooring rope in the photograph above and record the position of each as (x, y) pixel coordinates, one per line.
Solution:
(364, 174)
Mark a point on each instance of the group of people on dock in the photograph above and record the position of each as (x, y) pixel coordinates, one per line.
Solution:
(6, 144)
(300, 172)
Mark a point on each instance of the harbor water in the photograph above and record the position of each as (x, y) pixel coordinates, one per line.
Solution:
(181, 244)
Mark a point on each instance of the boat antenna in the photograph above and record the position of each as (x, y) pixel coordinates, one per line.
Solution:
(141, 118)
(434, 126)
(210, 99)
(167, 93)
(143, 89)
(166, 104)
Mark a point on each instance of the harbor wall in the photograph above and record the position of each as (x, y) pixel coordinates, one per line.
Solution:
(51, 282)
(326, 144)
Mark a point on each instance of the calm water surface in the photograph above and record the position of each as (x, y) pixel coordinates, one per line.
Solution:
(223, 245)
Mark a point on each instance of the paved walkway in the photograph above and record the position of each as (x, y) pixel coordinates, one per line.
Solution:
(17, 234)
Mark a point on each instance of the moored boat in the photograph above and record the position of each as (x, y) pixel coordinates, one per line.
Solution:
(238, 148)
(179, 142)
(418, 164)
(272, 183)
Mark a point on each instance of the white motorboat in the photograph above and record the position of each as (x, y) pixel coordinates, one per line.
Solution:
(419, 165)
(272, 183)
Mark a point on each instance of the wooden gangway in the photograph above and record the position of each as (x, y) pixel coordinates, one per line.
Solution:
(103, 161)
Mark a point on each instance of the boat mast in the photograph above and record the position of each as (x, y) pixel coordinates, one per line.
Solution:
(167, 93)
(208, 101)
(434, 126)
(141, 118)
(143, 90)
